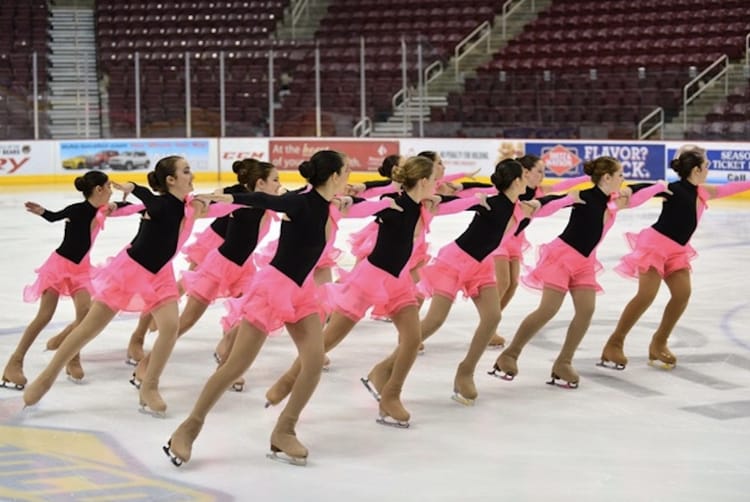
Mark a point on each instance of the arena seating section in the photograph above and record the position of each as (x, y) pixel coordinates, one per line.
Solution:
(615, 37)
(540, 84)
(23, 30)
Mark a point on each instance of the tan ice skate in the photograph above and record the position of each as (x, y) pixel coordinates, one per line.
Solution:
(464, 390)
(74, 370)
(658, 351)
(285, 447)
(13, 377)
(391, 407)
(613, 356)
(180, 446)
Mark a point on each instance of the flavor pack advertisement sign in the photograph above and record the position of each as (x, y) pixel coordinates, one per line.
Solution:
(234, 149)
(465, 155)
(729, 161)
(364, 155)
(130, 155)
(640, 161)
(26, 157)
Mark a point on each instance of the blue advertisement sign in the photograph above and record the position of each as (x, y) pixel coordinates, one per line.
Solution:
(564, 160)
(728, 162)
(128, 155)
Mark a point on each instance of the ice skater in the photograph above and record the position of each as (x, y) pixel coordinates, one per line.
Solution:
(662, 253)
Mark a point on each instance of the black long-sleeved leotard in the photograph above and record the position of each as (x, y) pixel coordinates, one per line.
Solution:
(77, 238)
(76, 241)
(585, 228)
(156, 241)
(221, 224)
(242, 234)
(395, 239)
(303, 234)
(679, 215)
(486, 230)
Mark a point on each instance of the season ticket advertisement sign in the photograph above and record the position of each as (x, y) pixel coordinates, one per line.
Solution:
(364, 155)
(640, 161)
(729, 161)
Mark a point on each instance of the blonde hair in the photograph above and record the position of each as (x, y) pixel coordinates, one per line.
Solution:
(413, 170)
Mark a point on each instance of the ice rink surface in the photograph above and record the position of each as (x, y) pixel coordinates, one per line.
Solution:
(634, 435)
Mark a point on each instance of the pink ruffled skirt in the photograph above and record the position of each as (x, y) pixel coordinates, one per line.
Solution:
(563, 268)
(61, 275)
(204, 243)
(363, 241)
(218, 277)
(652, 249)
(122, 284)
(367, 285)
(273, 299)
(453, 270)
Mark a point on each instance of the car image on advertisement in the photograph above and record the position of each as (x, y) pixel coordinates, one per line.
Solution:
(78, 162)
(129, 160)
(100, 160)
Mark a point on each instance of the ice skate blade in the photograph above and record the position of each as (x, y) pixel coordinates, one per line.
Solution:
(238, 386)
(661, 364)
(500, 374)
(370, 388)
(143, 408)
(610, 365)
(130, 361)
(176, 461)
(391, 422)
(280, 456)
(380, 318)
(566, 385)
(7, 384)
(457, 397)
(135, 382)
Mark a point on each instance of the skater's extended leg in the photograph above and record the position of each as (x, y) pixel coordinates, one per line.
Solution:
(680, 290)
(488, 307)
(506, 365)
(584, 301)
(98, 317)
(249, 341)
(613, 351)
(335, 331)
(406, 321)
(13, 373)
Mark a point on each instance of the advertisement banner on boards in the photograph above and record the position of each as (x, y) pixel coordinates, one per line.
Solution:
(27, 157)
(364, 155)
(640, 161)
(137, 154)
(729, 161)
(466, 155)
(234, 149)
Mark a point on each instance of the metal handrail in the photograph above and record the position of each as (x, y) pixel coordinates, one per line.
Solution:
(659, 125)
(362, 128)
(298, 7)
(437, 66)
(401, 98)
(687, 99)
(747, 50)
(480, 33)
(508, 8)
